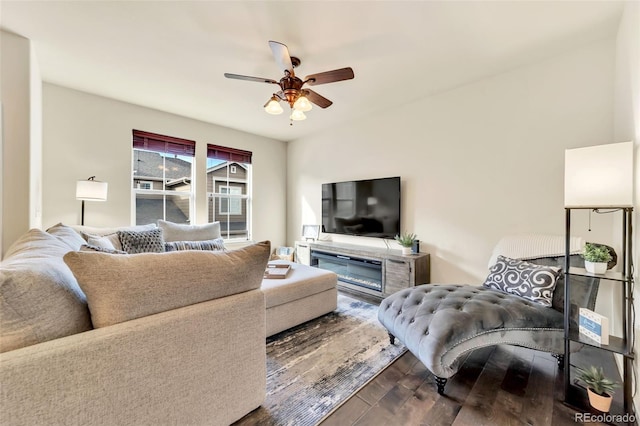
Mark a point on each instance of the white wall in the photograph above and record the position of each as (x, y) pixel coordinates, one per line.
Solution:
(22, 139)
(627, 118)
(87, 135)
(477, 163)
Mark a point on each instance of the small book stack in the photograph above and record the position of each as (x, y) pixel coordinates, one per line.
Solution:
(594, 326)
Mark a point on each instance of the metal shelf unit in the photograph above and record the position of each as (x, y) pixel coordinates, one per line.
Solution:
(619, 345)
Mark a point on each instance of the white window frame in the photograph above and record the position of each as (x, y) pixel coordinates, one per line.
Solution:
(186, 194)
(233, 194)
(246, 198)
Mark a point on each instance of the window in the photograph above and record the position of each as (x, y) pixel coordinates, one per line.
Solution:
(162, 173)
(145, 184)
(229, 190)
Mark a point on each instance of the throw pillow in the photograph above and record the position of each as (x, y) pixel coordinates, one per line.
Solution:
(122, 288)
(110, 233)
(217, 244)
(524, 279)
(111, 241)
(181, 232)
(67, 235)
(40, 298)
(89, 247)
(142, 242)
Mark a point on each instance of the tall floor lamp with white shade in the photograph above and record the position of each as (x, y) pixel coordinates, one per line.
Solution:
(90, 190)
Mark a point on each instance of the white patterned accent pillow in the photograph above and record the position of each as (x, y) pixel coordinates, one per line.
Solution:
(142, 242)
(524, 279)
(215, 244)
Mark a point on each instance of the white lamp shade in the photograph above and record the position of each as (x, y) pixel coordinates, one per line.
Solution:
(273, 107)
(297, 115)
(599, 176)
(302, 104)
(91, 190)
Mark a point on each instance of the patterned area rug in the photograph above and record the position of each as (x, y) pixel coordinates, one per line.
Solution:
(313, 368)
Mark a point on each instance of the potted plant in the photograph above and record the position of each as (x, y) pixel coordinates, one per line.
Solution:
(596, 257)
(599, 387)
(406, 241)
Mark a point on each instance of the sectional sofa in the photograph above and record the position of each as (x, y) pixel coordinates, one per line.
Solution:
(93, 338)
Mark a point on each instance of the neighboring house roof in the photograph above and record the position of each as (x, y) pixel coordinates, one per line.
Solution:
(148, 164)
(223, 165)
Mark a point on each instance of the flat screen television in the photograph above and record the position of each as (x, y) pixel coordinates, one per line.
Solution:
(366, 208)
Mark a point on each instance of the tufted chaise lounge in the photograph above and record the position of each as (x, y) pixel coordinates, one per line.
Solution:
(440, 323)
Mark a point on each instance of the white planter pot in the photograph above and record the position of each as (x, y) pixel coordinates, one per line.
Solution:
(599, 402)
(406, 250)
(595, 267)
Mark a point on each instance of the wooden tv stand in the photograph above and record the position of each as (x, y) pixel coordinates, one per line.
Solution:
(375, 271)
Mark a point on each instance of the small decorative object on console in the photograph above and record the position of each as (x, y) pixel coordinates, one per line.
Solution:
(310, 232)
(594, 326)
(406, 241)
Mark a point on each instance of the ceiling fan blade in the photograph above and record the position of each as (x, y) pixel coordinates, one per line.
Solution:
(330, 76)
(281, 55)
(247, 78)
(317, 99)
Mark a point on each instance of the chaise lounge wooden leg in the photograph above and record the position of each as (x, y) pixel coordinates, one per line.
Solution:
(392, 338)
(440, 383)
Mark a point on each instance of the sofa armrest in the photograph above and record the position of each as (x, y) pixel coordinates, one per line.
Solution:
(200, 364)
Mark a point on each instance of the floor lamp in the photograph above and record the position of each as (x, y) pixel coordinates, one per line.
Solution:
(90, 190)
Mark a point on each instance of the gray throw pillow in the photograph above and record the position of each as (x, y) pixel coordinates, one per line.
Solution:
(524, 279)
(216, 244)
(142, 242)
(89, 247)
(182, 232)
(67, 235)
(122, 288)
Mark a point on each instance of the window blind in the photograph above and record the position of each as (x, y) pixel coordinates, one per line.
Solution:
(161, 143)
(228, 154)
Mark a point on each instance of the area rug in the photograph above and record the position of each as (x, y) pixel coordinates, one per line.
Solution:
(313, 368)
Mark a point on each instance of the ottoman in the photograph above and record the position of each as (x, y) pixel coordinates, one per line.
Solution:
(306, 293)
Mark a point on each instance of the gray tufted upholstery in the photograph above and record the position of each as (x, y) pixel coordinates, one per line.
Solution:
(439, 323)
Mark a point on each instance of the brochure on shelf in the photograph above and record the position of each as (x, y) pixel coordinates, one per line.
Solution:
(594, 326)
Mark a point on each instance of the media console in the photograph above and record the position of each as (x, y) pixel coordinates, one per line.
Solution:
(375, 271)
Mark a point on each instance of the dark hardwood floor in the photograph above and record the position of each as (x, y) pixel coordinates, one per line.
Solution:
(500, 385)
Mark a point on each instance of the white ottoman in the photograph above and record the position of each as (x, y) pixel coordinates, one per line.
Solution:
(305, 294)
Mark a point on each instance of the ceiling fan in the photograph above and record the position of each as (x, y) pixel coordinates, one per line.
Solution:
(291, 87)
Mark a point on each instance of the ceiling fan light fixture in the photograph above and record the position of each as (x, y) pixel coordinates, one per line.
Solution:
(302, 104)
(298, 115)
(273, 106)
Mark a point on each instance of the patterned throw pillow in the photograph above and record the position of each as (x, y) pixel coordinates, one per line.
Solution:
(142, 241)
(215, 244)
(90, 247)
(524, 279)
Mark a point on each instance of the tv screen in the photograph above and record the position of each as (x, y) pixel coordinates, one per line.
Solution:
(367, 208)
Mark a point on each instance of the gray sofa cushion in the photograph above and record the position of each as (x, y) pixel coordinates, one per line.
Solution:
(40, 299)
(181, 232)
(123, 287)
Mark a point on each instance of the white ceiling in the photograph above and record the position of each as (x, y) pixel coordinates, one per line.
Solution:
(171, 55)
